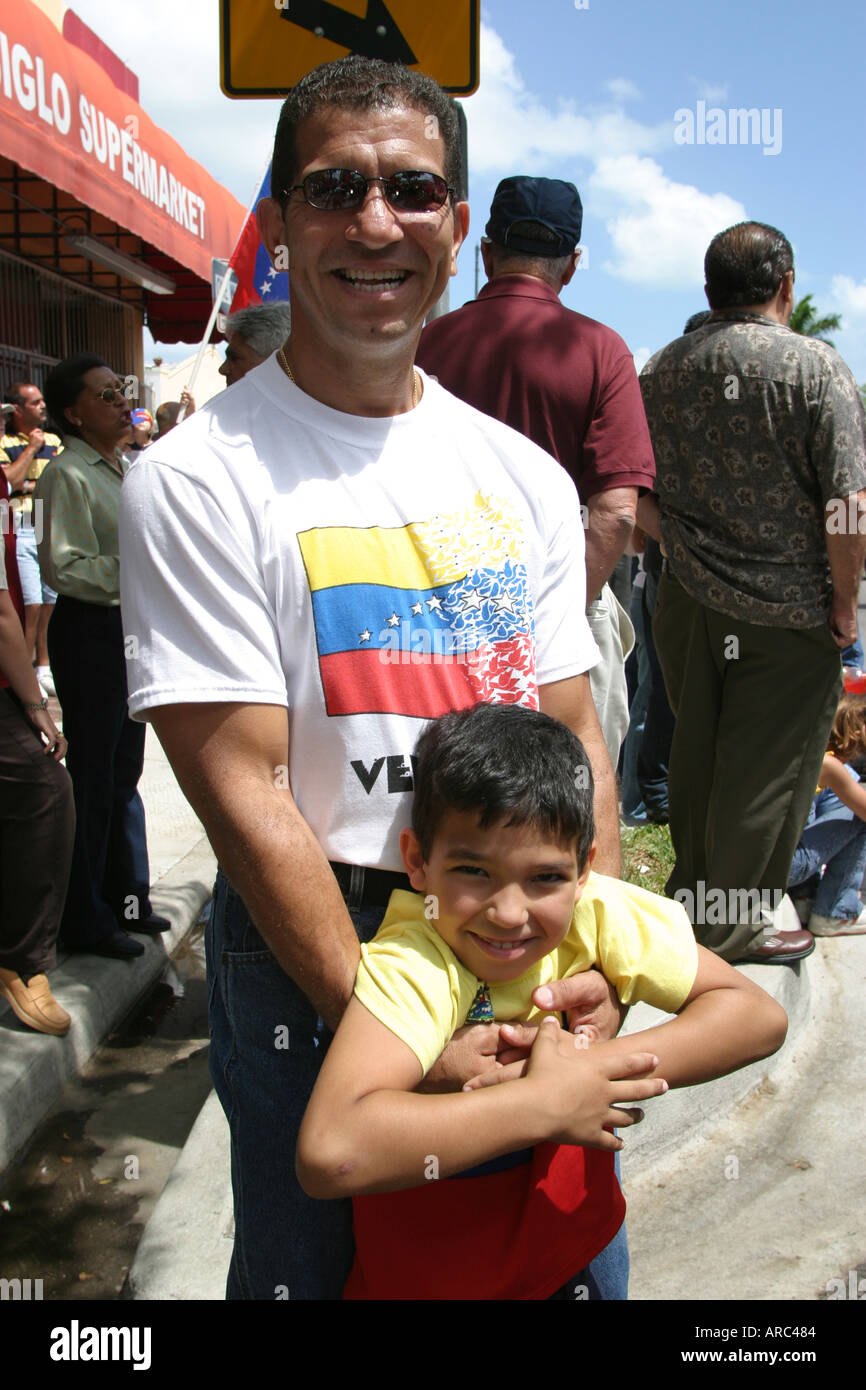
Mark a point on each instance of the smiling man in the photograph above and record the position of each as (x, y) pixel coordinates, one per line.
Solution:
(325, 557)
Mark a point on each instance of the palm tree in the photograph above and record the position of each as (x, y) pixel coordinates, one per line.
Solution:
(805, 320)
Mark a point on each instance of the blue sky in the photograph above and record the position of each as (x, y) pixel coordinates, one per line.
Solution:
(590, 94)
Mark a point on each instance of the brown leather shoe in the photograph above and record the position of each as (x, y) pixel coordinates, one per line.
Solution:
(780, 949)
(34, 1003)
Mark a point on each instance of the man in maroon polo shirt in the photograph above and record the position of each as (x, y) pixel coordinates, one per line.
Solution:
(565, 381)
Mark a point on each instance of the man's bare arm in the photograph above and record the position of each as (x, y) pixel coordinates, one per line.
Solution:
(649, 515)
(570, 701)
(231, 761)
(611, 522)
(846, 550)
(16, 471)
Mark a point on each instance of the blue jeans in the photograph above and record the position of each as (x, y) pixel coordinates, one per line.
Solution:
(834, 836)
(267, 1045)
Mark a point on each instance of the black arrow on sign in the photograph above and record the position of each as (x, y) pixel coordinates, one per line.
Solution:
(376, 36)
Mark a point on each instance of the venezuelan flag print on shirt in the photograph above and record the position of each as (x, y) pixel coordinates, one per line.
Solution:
(424, 618)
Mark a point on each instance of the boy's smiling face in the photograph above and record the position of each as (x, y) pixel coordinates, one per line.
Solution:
(506, 894)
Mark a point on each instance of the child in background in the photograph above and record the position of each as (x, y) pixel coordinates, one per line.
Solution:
(500, 852)
(830, 860)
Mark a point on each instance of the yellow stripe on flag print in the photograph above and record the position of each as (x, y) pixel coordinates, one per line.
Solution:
(421, 555)
(389, 555)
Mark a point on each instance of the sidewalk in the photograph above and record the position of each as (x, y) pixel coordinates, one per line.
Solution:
(96, 991)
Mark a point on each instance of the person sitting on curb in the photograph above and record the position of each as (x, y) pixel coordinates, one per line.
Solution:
(830, 860)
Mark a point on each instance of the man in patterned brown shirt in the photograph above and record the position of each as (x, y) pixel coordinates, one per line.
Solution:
(760, 444)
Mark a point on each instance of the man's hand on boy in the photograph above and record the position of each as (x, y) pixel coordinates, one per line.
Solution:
(472, 1051)
(589, 1001)
(593, 1011)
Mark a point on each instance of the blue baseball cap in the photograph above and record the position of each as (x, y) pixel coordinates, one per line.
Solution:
(552, 202)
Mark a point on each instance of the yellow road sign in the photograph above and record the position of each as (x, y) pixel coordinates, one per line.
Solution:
(266, 46)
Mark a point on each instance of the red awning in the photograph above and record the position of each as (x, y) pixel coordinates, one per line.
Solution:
(63, 118)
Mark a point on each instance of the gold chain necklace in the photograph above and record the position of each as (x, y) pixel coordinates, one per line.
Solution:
(416, 384)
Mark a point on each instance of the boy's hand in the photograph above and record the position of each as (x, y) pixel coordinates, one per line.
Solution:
(578, 1086)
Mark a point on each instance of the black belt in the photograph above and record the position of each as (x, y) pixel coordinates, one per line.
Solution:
(363, 887)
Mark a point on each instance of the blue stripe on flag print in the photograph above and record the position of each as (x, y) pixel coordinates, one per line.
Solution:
(487, 606)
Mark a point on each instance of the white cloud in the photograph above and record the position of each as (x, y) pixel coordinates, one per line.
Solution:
(511, 129)
(622, 89)
(641, 357)
(848, 297)
(660, 229)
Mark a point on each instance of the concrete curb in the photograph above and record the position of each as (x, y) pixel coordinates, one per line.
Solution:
(688, 1112)
(97, 992)
(187, 1244)
(185, 1251)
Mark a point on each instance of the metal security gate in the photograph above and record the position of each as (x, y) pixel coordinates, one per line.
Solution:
(44, 318)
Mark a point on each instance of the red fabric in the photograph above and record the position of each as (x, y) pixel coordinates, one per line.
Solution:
(62, 86)
(518, 1234)
(243, 263)
(563, 380)
(257, 281)
(12, 579)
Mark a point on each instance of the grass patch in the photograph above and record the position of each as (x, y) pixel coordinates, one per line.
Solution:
(647, 856)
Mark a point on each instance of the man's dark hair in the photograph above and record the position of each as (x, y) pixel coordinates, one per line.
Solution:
(509, 764)
(64, 384)
(13, 393)
(746, 265)
(361, 84)
(12, 396)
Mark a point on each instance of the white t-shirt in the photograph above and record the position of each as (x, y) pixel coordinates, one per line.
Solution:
(370, 574)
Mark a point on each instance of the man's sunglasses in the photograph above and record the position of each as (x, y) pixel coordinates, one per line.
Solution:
(109, 394)
(341, 190)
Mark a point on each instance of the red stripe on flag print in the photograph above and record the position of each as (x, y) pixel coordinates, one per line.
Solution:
(364, 683)
(425, 685)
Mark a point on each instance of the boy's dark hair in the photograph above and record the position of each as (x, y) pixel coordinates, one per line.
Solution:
(509, 764)
(361, 84)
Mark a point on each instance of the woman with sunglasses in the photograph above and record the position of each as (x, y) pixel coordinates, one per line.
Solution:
(79, 493)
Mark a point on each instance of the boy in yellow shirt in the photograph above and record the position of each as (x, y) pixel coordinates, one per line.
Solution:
(500, 855)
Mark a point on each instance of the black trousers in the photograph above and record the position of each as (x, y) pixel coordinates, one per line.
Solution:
(110, 878)
(37, 826)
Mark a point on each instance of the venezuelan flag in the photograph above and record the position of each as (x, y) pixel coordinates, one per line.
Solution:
(408, 624)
